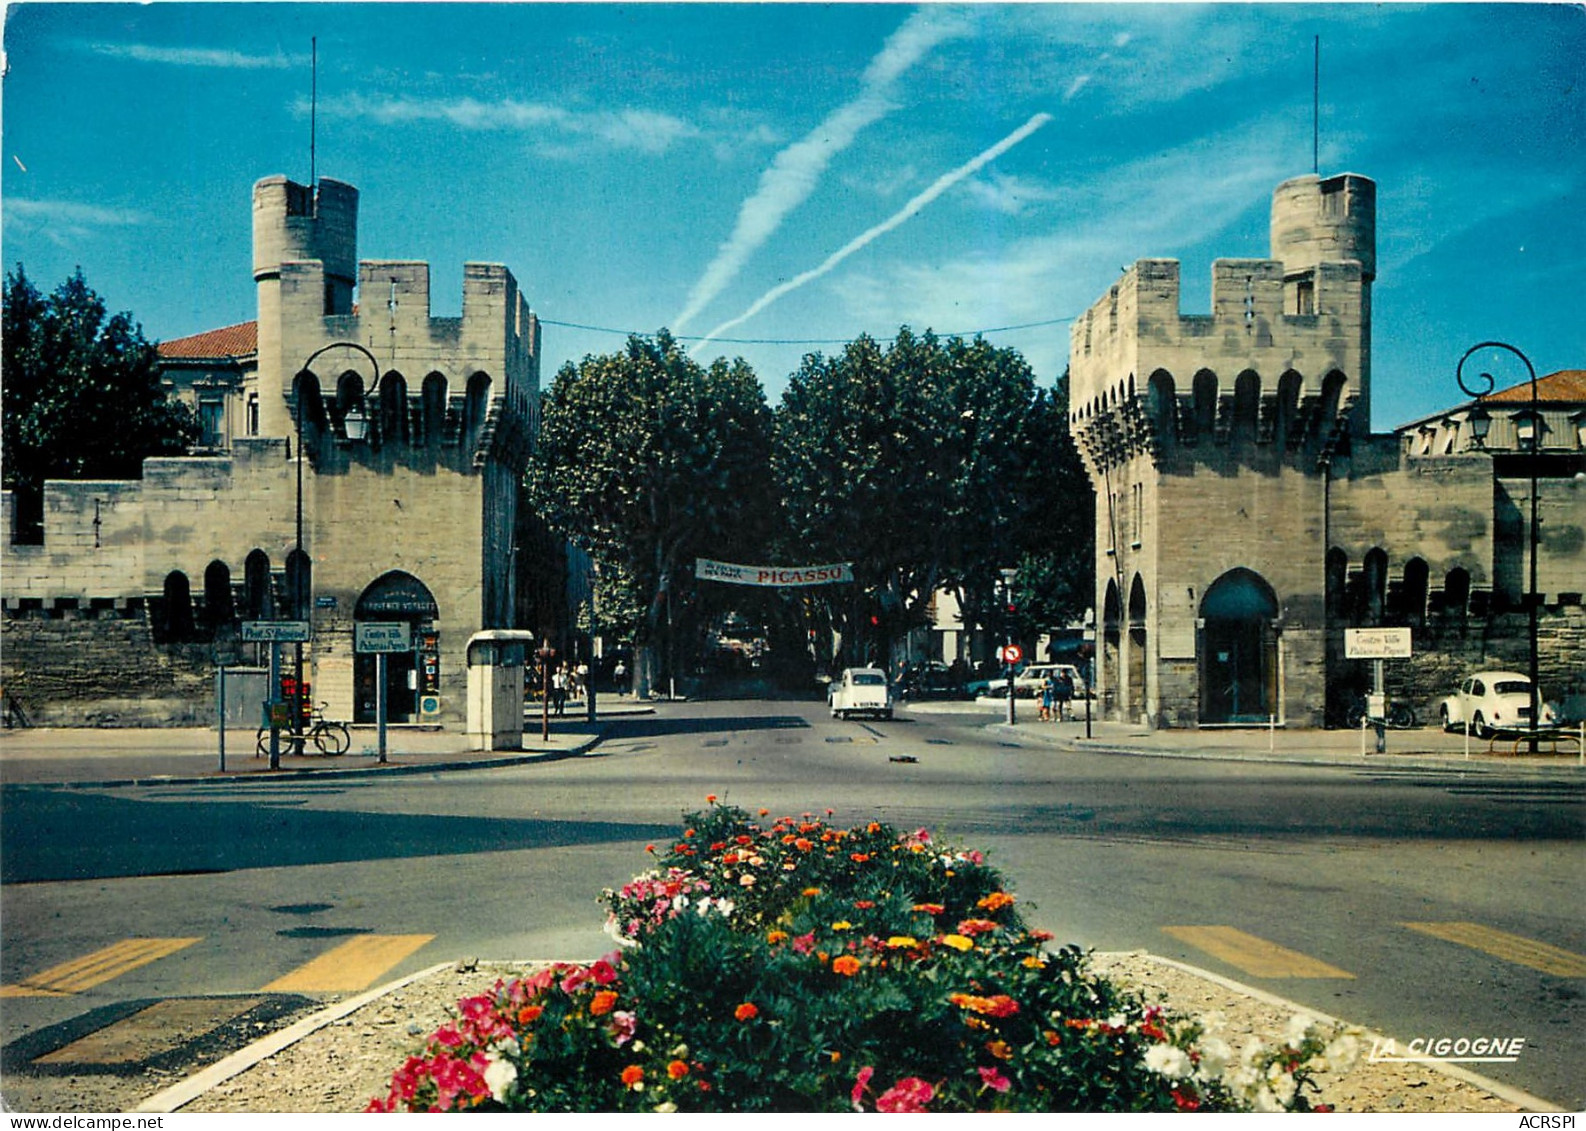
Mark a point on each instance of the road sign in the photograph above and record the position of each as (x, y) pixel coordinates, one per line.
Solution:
(275, 631)
(383, 636)
(1011, 654)
(1376, 643)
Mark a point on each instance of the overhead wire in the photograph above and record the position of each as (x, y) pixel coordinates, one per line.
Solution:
(797, 341)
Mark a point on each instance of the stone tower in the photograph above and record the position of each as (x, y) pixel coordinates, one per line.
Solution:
(1210, 441)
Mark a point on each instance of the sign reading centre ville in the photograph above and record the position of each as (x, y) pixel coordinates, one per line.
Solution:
(1376, 643)
(382, 636)
(775, 576)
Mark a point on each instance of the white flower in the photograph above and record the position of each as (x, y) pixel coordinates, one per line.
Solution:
(1283, 1085)
(1267, 1103)
(1342, 1052)
(1300, 1027)
(667, 1108)
(1168, 1061)
(500, 1075)
(681, 902)
(1118, 1021)
(746, 880)
(1214, 1022)
(1215, 1055)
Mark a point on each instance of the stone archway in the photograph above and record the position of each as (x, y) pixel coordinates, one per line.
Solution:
(1238, 654)
(1138, 703)
(413, 676)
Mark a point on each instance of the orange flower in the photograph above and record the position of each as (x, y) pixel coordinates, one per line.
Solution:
(847, 965)
(1052, 1038)
(710, 799)
(604, 1002)
(996, 901)
(776, 937)
(748, 1011)
(529, 1014)
(632, 1075)
(765, 812)
(687, 833)
(929, 908)
(802, 845)
(873, 827)
(811, 893)
(1000, 1050)
(859, 857)
(677, 1070)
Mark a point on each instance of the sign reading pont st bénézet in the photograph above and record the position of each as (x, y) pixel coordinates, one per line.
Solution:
(774, 576)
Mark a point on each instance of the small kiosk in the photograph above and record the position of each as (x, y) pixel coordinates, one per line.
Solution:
(495, 688)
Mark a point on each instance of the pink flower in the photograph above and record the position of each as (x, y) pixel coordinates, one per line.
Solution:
(860, 1084)
(623, 1025)
(603, 972)
(995, 1080)
(803, 944)
(577, 977)
(909, 1094)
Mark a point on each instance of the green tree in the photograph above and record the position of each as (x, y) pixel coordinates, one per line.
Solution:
(929, 465)
(81, 395)
(648, 460)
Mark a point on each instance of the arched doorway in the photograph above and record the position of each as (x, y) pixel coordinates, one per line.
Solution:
(411, 677)
(1137, 654)
(1239, 671)
(1111, 649)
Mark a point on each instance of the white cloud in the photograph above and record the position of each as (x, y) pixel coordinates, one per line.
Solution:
(63, 222)
(645, 131)
(796, 170)
(196, 56)
(1010, 195)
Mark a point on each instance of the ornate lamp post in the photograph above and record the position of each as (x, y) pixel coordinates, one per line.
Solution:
(1008, 576)
(1535, 439)
(302, 580)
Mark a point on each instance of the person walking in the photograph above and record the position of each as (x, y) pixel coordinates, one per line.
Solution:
(1048, 693)
(1064, 690)
(559, 689)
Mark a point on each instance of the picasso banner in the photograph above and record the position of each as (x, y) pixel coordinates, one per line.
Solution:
(775, 576)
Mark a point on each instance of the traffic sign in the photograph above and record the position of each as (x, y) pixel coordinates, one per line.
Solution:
(1376, 643)
(382, 636)
(275, 631)
(1011, 653)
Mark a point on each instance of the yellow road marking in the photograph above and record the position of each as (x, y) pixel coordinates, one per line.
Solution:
(353, 965)
(92, 969)
(163, 1026)
(1255, 955)
(1511, 948)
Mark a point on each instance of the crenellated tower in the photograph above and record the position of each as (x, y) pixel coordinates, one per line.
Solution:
(1210, 439)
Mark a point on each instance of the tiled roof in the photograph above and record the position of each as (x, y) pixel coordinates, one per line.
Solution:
(1565, 386)
(228, 341)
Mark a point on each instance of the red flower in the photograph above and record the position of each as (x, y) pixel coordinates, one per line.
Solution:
(632, 1075)
(909, 1094)
(748, 1011)
(710, 799)
(677, 1070)
(995, 1080)
(1185, 1102)
(861, 1083)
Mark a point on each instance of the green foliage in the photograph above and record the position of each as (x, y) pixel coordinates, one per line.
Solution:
(853, 969)
(82, 395)
(648, 460)
(933, 464)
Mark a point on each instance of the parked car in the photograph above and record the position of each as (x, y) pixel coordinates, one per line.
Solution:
(930, 680)
(860, 691)
(1493, 701)
(1027, 682)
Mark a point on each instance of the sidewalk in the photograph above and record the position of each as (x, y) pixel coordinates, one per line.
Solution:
(131, 756)
(1418, 748)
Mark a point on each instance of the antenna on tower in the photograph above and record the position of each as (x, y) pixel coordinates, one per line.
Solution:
(1316, 109)
(313, 107)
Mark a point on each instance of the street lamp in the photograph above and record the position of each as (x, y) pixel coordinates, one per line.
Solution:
(1007, 612)
(1534, 439)
(303, 577)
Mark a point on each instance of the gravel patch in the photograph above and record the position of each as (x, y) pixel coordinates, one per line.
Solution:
(340, 1067)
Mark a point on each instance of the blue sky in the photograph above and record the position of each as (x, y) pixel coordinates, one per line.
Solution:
(794, 175)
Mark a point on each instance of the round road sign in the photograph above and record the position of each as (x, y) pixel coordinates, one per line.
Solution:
(1012, 654)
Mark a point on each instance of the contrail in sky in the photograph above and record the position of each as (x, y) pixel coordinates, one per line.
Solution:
(796, 170)
(939, 186)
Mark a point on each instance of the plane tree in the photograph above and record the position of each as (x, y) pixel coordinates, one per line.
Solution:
(647, 460)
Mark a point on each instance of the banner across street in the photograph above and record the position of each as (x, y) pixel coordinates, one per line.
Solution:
(774, 576)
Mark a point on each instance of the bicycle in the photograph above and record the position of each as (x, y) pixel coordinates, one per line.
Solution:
(328, 736)
(1400, 716)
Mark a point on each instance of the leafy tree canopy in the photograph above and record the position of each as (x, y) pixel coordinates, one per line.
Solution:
(648, 460)
(82, 397)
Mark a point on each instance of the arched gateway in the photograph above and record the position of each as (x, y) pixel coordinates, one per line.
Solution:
(411, 677)
(1239, 670)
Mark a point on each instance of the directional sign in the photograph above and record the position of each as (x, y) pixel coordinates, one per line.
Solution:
(1011, 654)
(1376, 643)
(382, 636)
(275, 631)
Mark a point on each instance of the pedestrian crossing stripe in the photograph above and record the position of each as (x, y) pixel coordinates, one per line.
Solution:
(91, 970)
(1511, 948)
(1253, 955)
(354, 965)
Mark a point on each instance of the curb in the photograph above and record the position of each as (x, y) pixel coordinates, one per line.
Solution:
(179, 1095)
(1479, 765)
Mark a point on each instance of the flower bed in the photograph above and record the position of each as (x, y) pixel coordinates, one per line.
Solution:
(790, 965)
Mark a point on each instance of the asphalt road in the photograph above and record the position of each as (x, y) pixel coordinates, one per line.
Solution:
(1432, 903)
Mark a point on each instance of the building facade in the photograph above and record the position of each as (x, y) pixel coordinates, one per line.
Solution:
(1246, 516)
(361, 461)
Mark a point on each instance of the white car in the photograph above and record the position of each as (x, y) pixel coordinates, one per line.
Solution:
(860, 691)
(1493, 701)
